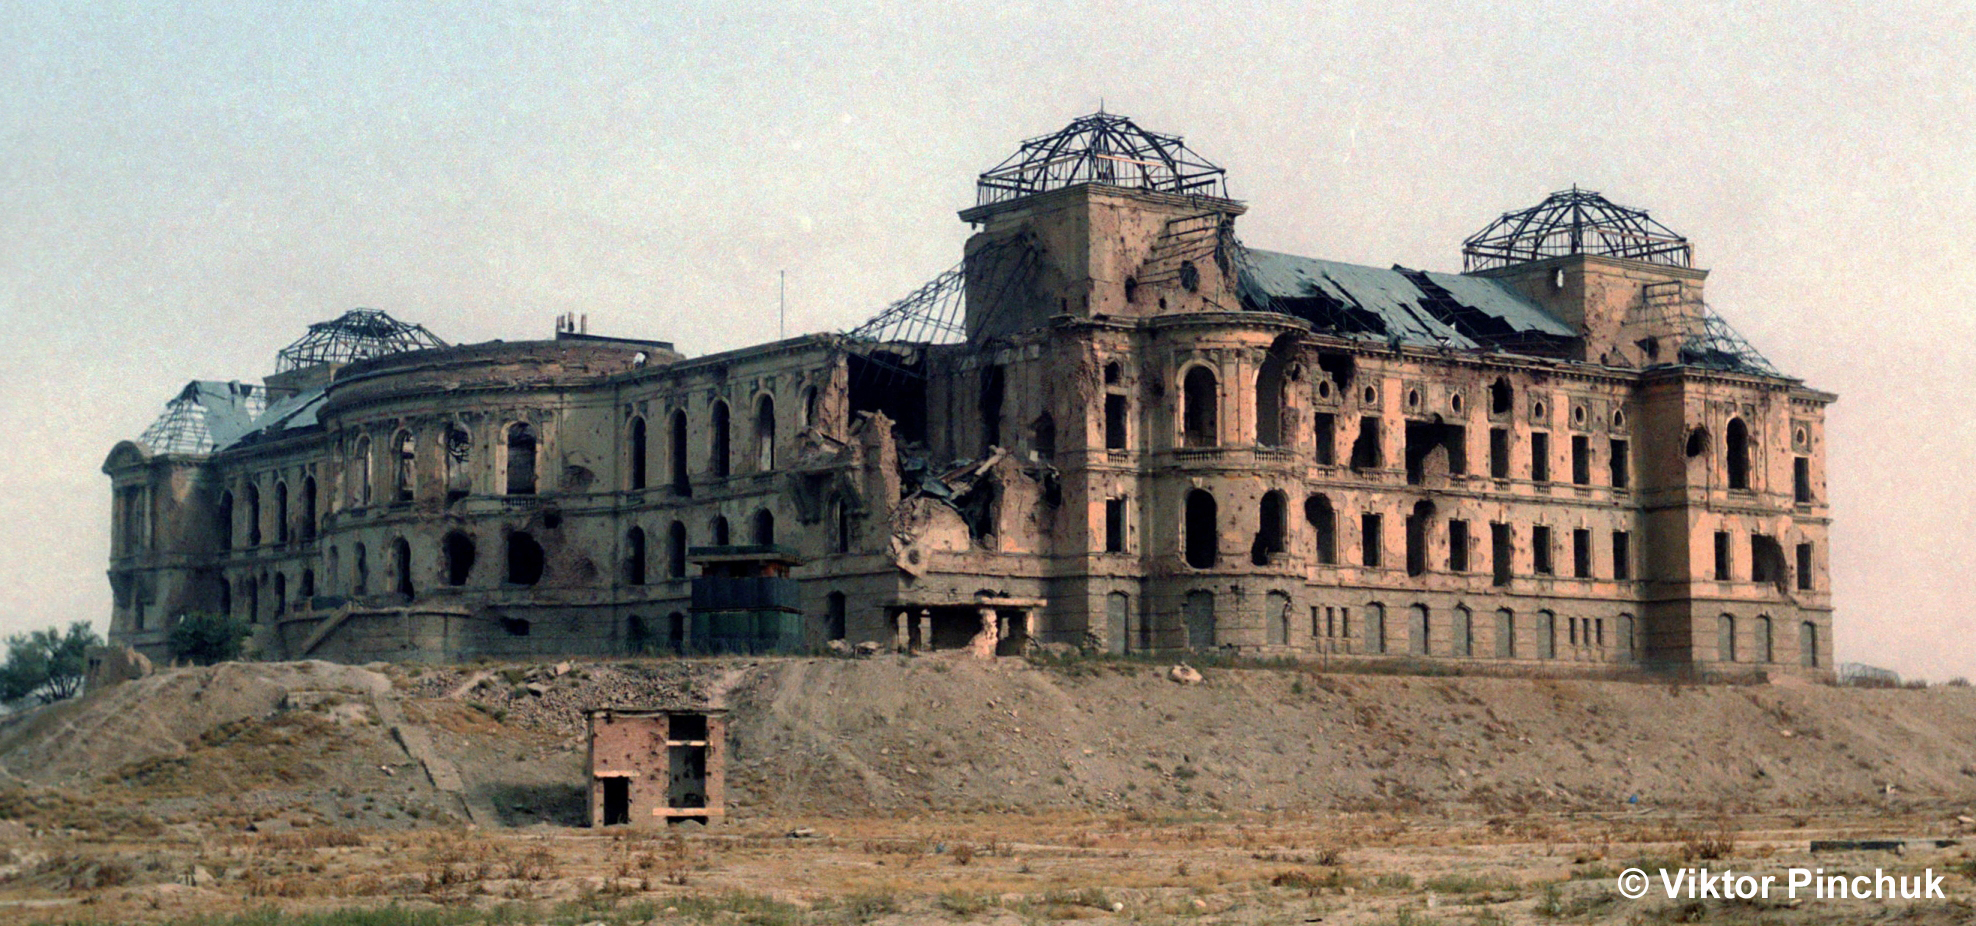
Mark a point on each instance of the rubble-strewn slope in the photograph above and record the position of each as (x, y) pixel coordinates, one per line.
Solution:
(890, 734)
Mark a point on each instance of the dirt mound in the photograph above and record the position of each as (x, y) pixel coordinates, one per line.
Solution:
(898, 735)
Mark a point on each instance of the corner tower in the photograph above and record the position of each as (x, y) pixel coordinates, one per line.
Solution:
(1101, 218)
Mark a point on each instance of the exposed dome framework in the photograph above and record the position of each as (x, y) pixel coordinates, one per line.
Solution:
(1102, 148)
(1570, 222)
(359, 334)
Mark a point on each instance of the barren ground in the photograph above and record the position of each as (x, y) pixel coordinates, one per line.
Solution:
(948, 790)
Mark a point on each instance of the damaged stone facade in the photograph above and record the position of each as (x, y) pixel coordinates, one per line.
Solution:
(1148, 438)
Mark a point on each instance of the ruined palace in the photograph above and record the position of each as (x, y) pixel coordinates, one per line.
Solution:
(1113, 424)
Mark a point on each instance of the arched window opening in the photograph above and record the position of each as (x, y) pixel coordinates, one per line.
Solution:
(1464, 633)
(525, 559)
(636, 440)
(401, 565)
(406, 456)
(280, 594)
(360, 475)
(1375, 628)
(1505, 634)
(634, 557)
(251, 595)
(1725, 641)
(1418, 530)
(1738, 438)
(1417, 623)
(1808, 645)
(1043, 436)
(676, 550)
(676, 455)
(836, 613)
(1764, 652)
(333, 570)
(281, 512)
(458, 550)
(223, 521)
(307, 589)
(1118, 617)
(1270, 528)
(719, 531)
(308, 500)
(993, 385)
(809, 407)
(1200, 402)
(765, 434)
(1271, 430)
(1201, 531)
(764, 528)
(721, 459)
(360, 569)
(1198, 612)
(459, 457)
(1626, 636)
(521, 459)
(1546, 635)
(1324, 524)
(253, 515)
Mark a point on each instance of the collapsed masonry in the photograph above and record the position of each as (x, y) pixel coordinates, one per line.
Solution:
(1099, 429)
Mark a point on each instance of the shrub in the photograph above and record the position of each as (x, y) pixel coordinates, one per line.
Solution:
(47, 664)
(206, 638)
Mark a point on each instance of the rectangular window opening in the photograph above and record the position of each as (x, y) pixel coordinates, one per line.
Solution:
(1325, 430)
(1540, 457)
(1369, 539)
(1722, 556)
(1114, 422)
(1114, 525)
(1581, 553)
(1581, 460)
(1801, 480)
(1499, 553)
(1621, 469)
(1499, 453)
(1457, 546)
(1804, 567)
(1622, 555)
(1540, 550)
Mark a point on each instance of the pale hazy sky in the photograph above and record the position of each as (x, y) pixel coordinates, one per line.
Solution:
(184, 187)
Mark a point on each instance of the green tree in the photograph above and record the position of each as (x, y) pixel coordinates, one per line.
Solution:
(207, 638)
(47, 664)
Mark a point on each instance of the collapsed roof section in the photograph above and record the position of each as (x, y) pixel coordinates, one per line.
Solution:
(205, 416)
(1399, 305)
(1103, 148)
(1570, 222)
(359, 334)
